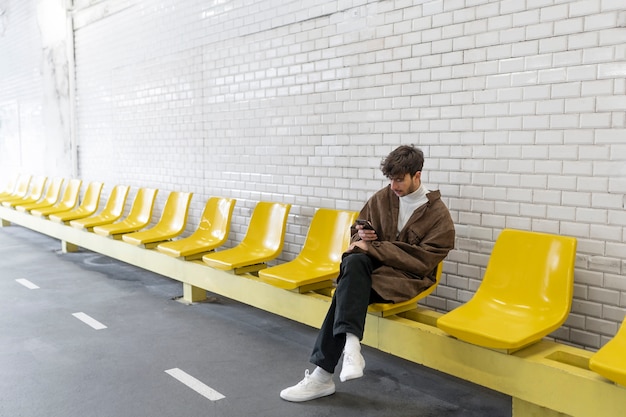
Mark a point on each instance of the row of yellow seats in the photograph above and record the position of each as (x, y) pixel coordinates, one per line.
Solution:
(28, 196)
(525, 294)
(64, 210)
(314, 267)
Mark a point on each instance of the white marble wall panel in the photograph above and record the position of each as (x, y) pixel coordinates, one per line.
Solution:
(34, 84)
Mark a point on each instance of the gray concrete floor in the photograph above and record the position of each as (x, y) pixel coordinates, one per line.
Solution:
(54, 365)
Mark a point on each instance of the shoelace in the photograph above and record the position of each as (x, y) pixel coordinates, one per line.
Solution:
(307, 378)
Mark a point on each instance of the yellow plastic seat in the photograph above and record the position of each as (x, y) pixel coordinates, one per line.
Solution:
(212, 232)
(171, 224)
(390, 309)
(37, 187)
(138, 218)
(317, 264)
(68, 200)
(87, 207)
(21, 188)
(526, 292)
(111, 212)
(51, 196)
(9, 187)
(610, 360)
(263, 241)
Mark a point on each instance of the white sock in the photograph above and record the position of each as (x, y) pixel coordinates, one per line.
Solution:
(353, 344)
(321, 375)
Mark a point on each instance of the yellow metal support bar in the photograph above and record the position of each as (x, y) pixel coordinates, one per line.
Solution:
(193, 294)
(546, 379)
(547, 374)
(196, 256)
(314, 287)
(67, 247)
(522, 408)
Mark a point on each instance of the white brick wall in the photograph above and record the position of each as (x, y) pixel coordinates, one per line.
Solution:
(518, 105)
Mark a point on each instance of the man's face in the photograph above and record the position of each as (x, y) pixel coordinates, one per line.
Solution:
(404, 185)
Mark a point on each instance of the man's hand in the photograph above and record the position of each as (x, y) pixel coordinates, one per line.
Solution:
(358, 244)
(366, 234)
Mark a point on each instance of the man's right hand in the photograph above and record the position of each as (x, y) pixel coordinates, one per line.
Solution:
(366, 234)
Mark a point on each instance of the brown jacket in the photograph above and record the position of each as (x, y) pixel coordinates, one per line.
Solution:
(410, 258)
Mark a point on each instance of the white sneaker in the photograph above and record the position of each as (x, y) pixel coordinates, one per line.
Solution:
(352, 367)
(308, 389)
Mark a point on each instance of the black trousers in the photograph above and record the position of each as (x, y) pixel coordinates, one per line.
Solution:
(347, 311)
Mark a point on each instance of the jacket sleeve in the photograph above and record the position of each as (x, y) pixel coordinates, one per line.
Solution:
(421, 246)
(419, 256)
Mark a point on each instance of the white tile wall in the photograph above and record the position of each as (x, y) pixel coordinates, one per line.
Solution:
(518, 105)
(21, 85)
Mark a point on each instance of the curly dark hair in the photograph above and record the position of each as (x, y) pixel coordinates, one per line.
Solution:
(405, 159)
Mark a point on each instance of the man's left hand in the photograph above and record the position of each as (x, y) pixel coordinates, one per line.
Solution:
(362, 244)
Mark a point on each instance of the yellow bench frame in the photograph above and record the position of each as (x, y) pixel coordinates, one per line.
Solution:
(574, 390)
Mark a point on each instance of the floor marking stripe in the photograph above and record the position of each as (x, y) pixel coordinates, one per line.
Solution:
(27, 284)
(90, 321)
(195, 384)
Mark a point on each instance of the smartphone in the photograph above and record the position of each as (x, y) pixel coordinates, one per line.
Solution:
(366, 224)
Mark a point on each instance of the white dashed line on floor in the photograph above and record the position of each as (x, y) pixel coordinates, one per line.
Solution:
(89, 321)
(195, 384)
(27, 284)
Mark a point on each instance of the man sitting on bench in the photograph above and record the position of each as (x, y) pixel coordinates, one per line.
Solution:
(403, 233)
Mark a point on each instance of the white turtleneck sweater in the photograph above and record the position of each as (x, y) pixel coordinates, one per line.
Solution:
(409, 203)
